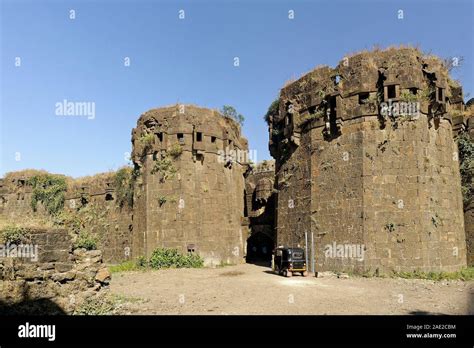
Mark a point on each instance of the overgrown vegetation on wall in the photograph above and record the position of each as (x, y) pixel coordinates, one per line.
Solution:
(48, 189)
(164, 167)
(14, 234)
(85, 224)
(466, 166)
(124, 181)
(175, 150)
(272, 110)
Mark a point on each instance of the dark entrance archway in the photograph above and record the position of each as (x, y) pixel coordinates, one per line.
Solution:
(259, 249)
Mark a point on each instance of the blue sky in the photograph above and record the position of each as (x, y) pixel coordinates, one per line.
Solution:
(187, 60)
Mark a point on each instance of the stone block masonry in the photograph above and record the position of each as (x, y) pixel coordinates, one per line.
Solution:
(361, 177)
(188, 195)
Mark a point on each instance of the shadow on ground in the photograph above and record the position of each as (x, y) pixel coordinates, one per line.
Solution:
(31, 307)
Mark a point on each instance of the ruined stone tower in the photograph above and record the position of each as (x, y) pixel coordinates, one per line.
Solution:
(365, 157)
(190, 186)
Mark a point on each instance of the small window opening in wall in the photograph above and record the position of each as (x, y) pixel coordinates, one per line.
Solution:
(440, 94)
(109, 197)
(391, 92)
(333, 114)
(191, 248)
(337, 79)
(230, 142)
(213, 139)
(180, 137)
(155, 155)
(160, 137)
(413, 90)
(363, 98)
(198, 136)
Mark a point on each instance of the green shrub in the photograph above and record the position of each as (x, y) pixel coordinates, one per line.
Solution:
(49, 190)
(14, 234)
(86, 240)
(147, 139)
(168, 258)
(175, 150)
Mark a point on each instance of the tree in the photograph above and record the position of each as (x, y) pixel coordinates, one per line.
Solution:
(230, 111)
(272, 110)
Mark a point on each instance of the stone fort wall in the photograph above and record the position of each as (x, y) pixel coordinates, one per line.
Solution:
(188, 195)
(343, 172)
(111, 223)
(351, 176)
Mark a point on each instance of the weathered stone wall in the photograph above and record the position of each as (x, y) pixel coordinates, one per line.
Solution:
(194, 201)
(389, 185)
(15, 198)
(463, 123)
(260, 198)
(55, 280)
(112, 223)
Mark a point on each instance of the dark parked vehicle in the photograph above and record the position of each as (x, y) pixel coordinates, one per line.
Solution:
(288, 261)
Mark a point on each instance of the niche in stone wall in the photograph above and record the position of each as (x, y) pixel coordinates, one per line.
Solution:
(198, 156)
(180, 137)
(413, 90)
(391, 92)
(440, 97)
(109, 197)
(84, 201)
(363, 98)
(332, 103)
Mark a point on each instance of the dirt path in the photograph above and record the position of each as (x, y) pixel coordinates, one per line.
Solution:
(251, 289)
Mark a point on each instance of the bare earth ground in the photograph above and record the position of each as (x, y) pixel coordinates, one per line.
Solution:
(251, 289)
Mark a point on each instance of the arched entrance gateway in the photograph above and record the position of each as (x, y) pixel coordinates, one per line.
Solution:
(259, 248)
(260, 211)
